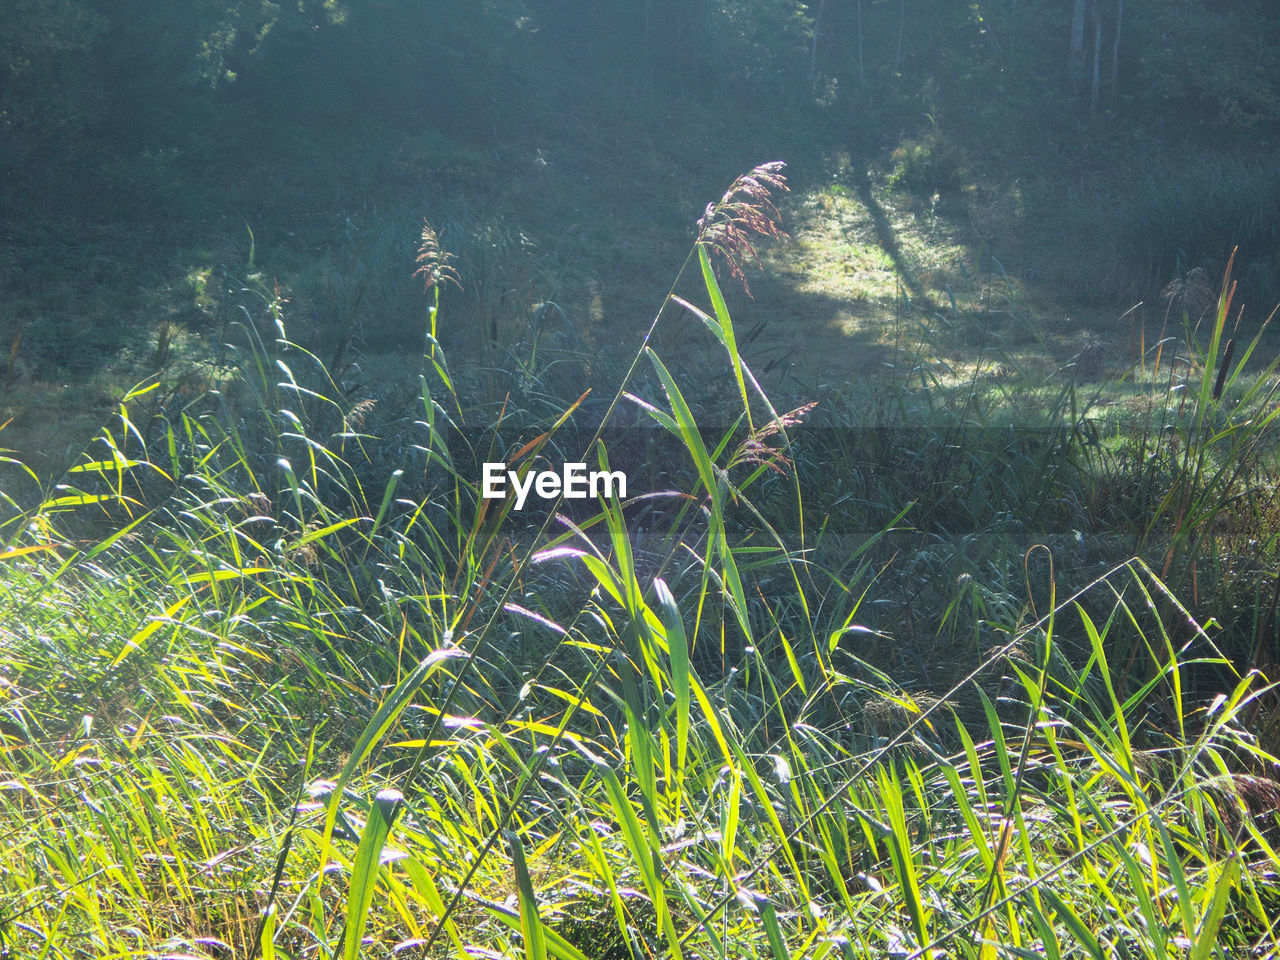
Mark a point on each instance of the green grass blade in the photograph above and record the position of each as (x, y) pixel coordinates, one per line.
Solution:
(726, 325)
(772, 929)
(1079, 929)
(364, 868)
(688, 428)
(535, 941)
(645, 856)
(678, 645)
(1207, 937)
(902, 855)
(386, 715)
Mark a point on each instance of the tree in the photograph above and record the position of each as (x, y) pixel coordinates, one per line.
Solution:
(1075, 63)
(45, 82)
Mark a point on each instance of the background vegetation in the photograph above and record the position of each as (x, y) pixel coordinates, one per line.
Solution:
(941, 620)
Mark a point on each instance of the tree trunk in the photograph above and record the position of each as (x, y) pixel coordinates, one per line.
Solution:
(862, 76)
(1075, 63)
(1115, 48)
(902, 25)
(813, 56)
(1097, 64)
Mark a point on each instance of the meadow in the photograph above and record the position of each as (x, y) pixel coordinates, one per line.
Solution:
(939, 615)
(956, 666)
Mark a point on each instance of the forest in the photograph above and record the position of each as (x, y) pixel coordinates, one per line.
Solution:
(610, 480)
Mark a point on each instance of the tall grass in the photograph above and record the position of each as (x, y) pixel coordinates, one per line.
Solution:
(264, 696)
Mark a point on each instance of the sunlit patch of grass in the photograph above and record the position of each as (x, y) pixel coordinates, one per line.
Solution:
(832, 252)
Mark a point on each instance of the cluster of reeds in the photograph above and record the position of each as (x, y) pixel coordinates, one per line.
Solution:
(268, 703)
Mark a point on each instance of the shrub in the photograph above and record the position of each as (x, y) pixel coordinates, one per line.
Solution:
(929, 165)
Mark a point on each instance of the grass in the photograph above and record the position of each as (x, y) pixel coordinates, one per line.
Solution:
(277, 684)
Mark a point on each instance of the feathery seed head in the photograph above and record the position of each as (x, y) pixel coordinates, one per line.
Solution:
(435, 264)
(746, 208)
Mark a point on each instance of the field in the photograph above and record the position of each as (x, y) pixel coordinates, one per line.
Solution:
(938, 618)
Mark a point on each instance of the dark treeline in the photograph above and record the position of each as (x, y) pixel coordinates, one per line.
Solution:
(82, 78)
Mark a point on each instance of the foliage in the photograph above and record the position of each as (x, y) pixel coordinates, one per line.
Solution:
(926, 166)
(965, 660)
(43, 93)
(1233, 87)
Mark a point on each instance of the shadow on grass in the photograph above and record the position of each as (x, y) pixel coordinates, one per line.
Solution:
(887, 237)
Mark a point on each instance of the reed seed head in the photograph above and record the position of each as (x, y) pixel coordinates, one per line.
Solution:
(756, 450)
(435, 264)
(746, 209)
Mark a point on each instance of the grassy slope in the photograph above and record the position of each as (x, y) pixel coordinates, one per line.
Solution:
(589, 214)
